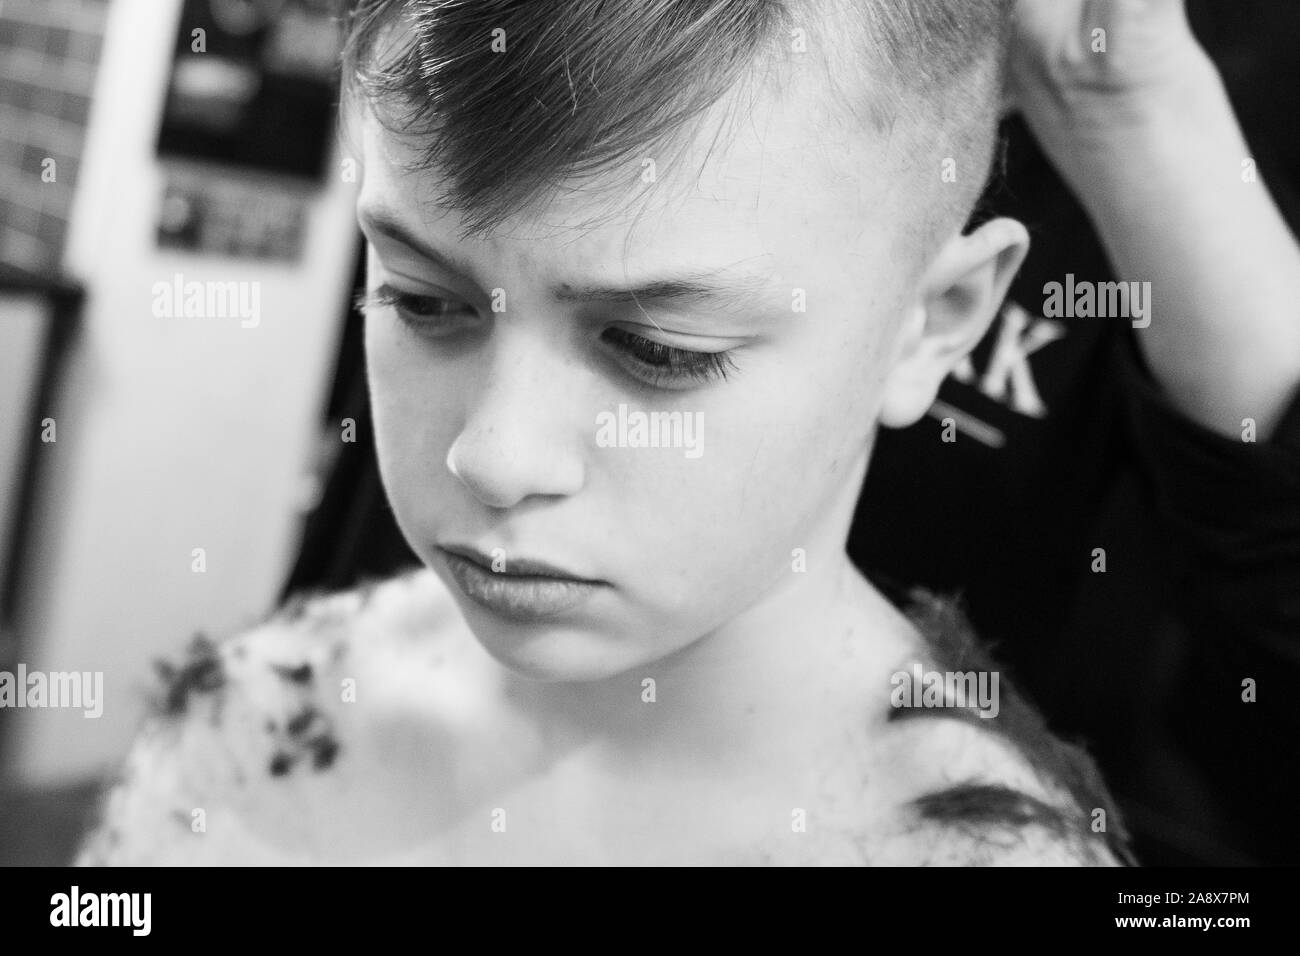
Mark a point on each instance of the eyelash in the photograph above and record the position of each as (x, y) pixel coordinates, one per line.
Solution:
(407, 306)
(655, 363)
(661, 364)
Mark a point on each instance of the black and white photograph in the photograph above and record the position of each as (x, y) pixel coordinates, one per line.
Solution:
(650, 433)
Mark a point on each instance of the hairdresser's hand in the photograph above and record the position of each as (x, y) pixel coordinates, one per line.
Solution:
(1146, 136)
(1085, 72)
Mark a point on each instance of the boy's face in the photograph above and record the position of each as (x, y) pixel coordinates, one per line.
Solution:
(487, 421)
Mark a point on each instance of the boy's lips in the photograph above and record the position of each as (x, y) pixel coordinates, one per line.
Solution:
(515, 567)
(524, 590)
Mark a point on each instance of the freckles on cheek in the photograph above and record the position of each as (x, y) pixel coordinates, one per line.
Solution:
(412, 416)
(389, 388)
(402, 376)
(800, 456)
(383, 362)
(754, 479)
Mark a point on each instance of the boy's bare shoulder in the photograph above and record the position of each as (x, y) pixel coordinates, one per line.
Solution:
(983, 779)
(967, 797)
(261, 747)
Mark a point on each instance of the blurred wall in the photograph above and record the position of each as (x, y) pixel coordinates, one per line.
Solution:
(172, 433)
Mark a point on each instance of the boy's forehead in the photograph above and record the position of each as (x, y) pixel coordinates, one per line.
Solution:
(748, 179)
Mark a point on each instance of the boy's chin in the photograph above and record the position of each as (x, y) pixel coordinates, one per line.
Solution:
(555, 652)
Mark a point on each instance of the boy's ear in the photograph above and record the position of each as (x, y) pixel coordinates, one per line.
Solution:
(959, 295)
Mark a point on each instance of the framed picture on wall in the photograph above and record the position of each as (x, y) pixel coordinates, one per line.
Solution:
(253, 85)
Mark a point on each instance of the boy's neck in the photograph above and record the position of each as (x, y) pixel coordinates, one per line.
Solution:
(812, 656)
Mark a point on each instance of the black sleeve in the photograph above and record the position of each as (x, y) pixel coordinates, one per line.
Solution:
(1230, 509)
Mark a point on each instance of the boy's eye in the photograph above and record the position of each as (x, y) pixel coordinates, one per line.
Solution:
(654, 363)
(422, 313)
(662, 365)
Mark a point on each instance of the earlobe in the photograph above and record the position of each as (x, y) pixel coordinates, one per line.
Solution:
(958, 297)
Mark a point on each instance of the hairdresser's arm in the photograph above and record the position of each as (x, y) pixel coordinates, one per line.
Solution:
(1147, 138)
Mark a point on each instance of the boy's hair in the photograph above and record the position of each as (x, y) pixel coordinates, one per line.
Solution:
(511, 98)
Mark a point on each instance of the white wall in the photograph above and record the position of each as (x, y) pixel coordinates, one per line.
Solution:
(173, 434)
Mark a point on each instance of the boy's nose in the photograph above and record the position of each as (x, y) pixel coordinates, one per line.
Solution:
(519, 437)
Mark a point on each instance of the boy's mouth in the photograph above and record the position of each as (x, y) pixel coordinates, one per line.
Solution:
(523, 589)
(515, 567)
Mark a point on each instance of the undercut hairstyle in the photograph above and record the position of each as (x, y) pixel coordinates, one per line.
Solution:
(509, 100)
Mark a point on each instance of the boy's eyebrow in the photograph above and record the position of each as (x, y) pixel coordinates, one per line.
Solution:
(386, 224)
(726, 284)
